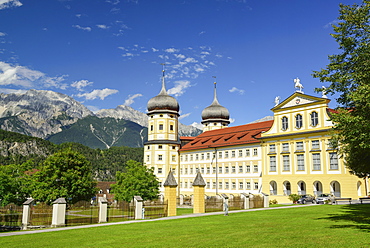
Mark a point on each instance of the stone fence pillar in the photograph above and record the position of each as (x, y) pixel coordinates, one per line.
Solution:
(266, 200)
(199, 192)
(246, 200)
(59, 212)
(170, 186)
(103, 209)
(26, 213)
(138, 208)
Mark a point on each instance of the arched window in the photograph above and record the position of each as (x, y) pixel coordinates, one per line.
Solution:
(314, 119)
(298, 121)
(284, 123)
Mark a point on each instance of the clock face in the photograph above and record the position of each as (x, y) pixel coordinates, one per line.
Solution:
(297, 101)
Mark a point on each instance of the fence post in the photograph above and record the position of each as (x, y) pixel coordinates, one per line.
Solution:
(266, 200)
(59, 212)
(103, 208)
(170, 186)
(251, 200)
(246, 200)
(138, 207)
(199, 192)
(26, 213)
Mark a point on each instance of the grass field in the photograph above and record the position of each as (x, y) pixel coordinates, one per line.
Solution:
(312, 226)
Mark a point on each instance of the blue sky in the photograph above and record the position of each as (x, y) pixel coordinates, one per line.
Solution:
(106, 53)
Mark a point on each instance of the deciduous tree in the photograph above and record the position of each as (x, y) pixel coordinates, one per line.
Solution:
(64, 174)
(138, 180)
(349, 76)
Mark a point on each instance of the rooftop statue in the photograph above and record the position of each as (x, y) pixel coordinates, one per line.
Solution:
(298, 85)
(277, 100)
(324, 92)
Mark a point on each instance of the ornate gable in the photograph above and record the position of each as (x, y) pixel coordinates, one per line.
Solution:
(299, 99)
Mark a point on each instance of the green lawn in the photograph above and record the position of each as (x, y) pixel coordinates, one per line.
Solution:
(313, 226)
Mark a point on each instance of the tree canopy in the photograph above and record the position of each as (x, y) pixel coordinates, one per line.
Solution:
(64, 174)
(349, 76)
(136, 179)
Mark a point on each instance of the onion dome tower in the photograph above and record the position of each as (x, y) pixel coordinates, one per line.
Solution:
(215, 116)
(161, 149)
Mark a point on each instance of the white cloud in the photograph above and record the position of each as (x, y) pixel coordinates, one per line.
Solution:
(184, 116)
(103, 26)
(171, 50)
(154, 50)
(78, 15)
(4, 4)
(82, 28)
(179, 88)
(98, 94)
(234, 89)
(232, 120)
(130, 99)
(197, 125)
(128, 55)
(115, 2)
(27, 78)
(81, 84)
(12, 91)
(2, 34)
(191, 60)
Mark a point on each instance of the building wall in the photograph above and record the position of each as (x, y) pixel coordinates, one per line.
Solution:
(234, 170)
(300, 154)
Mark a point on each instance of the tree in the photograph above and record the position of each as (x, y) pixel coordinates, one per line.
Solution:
(64, 174)
(349, 75)
(14, 183)
(138, 180)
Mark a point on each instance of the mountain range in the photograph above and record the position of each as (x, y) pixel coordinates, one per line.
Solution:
(60, 118)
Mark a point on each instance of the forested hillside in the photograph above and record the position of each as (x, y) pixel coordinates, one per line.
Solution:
(16, 148)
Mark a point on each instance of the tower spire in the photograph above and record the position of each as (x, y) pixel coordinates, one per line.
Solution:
(163, 90)
(215, 101)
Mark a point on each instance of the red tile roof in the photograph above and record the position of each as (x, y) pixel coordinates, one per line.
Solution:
(239, 135)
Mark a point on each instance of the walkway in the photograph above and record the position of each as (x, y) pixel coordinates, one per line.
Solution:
(136, 221)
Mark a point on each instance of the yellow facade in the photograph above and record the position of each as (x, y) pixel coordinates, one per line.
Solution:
(297, 155)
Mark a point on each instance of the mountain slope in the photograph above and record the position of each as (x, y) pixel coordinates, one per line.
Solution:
(39, 113)
(128, 113)
(102, 133)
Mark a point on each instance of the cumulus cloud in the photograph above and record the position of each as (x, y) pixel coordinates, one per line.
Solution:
(179, 88)
(130, 99)
(82, 28)
(79, 85)
(103, 26)
(102, 94)
(24, 77)
(171, 50)
(234, 89)
(4, 4)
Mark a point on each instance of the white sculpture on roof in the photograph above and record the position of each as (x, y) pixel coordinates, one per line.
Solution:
(297, 84)
(277, 100)
(324, 92)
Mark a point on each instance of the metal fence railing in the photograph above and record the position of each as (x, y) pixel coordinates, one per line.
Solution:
(120, 211)
(155, 209)
(10, 217)
(213, 204)
(40, 215)
(82, 213)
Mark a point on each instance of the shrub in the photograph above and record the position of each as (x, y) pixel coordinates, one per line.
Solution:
(294, 197)
(272, 202)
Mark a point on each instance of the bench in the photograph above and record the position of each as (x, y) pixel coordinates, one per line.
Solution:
(364, 199)
(335, 200)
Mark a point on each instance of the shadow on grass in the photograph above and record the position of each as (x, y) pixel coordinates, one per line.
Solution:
(357, 214)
